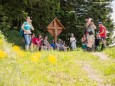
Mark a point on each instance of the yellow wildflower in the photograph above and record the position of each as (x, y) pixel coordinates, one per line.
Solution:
(16, 48)
(20, 53)
(35, 57)
(2, 54)
(52, 59)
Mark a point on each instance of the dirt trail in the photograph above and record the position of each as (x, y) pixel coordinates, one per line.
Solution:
(92, 74)
(101, 55)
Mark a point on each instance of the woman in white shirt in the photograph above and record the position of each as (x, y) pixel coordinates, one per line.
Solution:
(73, 42)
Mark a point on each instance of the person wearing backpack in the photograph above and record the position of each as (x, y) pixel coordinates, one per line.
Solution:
(27, 27)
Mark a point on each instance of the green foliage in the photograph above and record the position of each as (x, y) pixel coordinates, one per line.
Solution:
(1, 35)
(14, 37)
(98, 10)
(71, 13)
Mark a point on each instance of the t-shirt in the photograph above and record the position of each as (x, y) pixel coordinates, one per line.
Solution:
(101, 29)
(91, 29)
(34, 40)
(39, 41)
(27, 26)
(59, 45)
(46, 43)
(72, 39)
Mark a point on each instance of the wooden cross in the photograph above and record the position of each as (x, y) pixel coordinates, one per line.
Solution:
(55, 28)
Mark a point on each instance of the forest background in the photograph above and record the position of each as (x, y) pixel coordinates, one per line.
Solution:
(71, 13)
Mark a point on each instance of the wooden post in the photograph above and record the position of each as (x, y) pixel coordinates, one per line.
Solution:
(55, 28)
(55, 38)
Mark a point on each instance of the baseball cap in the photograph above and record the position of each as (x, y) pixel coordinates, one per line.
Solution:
(100, 23)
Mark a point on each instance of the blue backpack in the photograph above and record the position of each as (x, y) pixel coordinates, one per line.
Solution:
(21, 32)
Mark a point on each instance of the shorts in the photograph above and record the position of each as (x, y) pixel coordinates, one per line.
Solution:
(84, 46)
(103, 38)
(27, 39)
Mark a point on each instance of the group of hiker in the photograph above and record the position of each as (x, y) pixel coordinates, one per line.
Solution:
(90, 40)
(40, 43)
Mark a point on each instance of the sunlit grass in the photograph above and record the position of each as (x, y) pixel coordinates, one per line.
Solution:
(53, 68)
(104, 68)
(110, 52)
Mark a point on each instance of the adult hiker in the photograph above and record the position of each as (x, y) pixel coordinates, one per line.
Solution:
(102, 33)
(73, 42)
(27, 27)
(90, 32)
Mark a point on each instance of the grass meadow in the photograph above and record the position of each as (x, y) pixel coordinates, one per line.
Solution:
(54, 68)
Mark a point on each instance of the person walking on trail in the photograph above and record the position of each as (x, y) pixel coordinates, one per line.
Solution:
(27, 27)
(73, 42)
(102, 33)
(90, 32)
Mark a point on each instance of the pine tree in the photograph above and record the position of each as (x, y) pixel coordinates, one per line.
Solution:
(75, 12)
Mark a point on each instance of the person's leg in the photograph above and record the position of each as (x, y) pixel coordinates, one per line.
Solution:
(30, 40)
(89, 41)
(57, 48)
(27, 41)
(93, 43)
(64, 48)
(104, 42)
(32, 46)
(71, 46)
(75, 46)
(40, 47)
(50, 48)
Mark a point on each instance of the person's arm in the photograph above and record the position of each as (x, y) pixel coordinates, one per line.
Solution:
(75, 39)
(86, 25)
(38, 41)
(93, 26)
(47, 44)
(31, 25)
